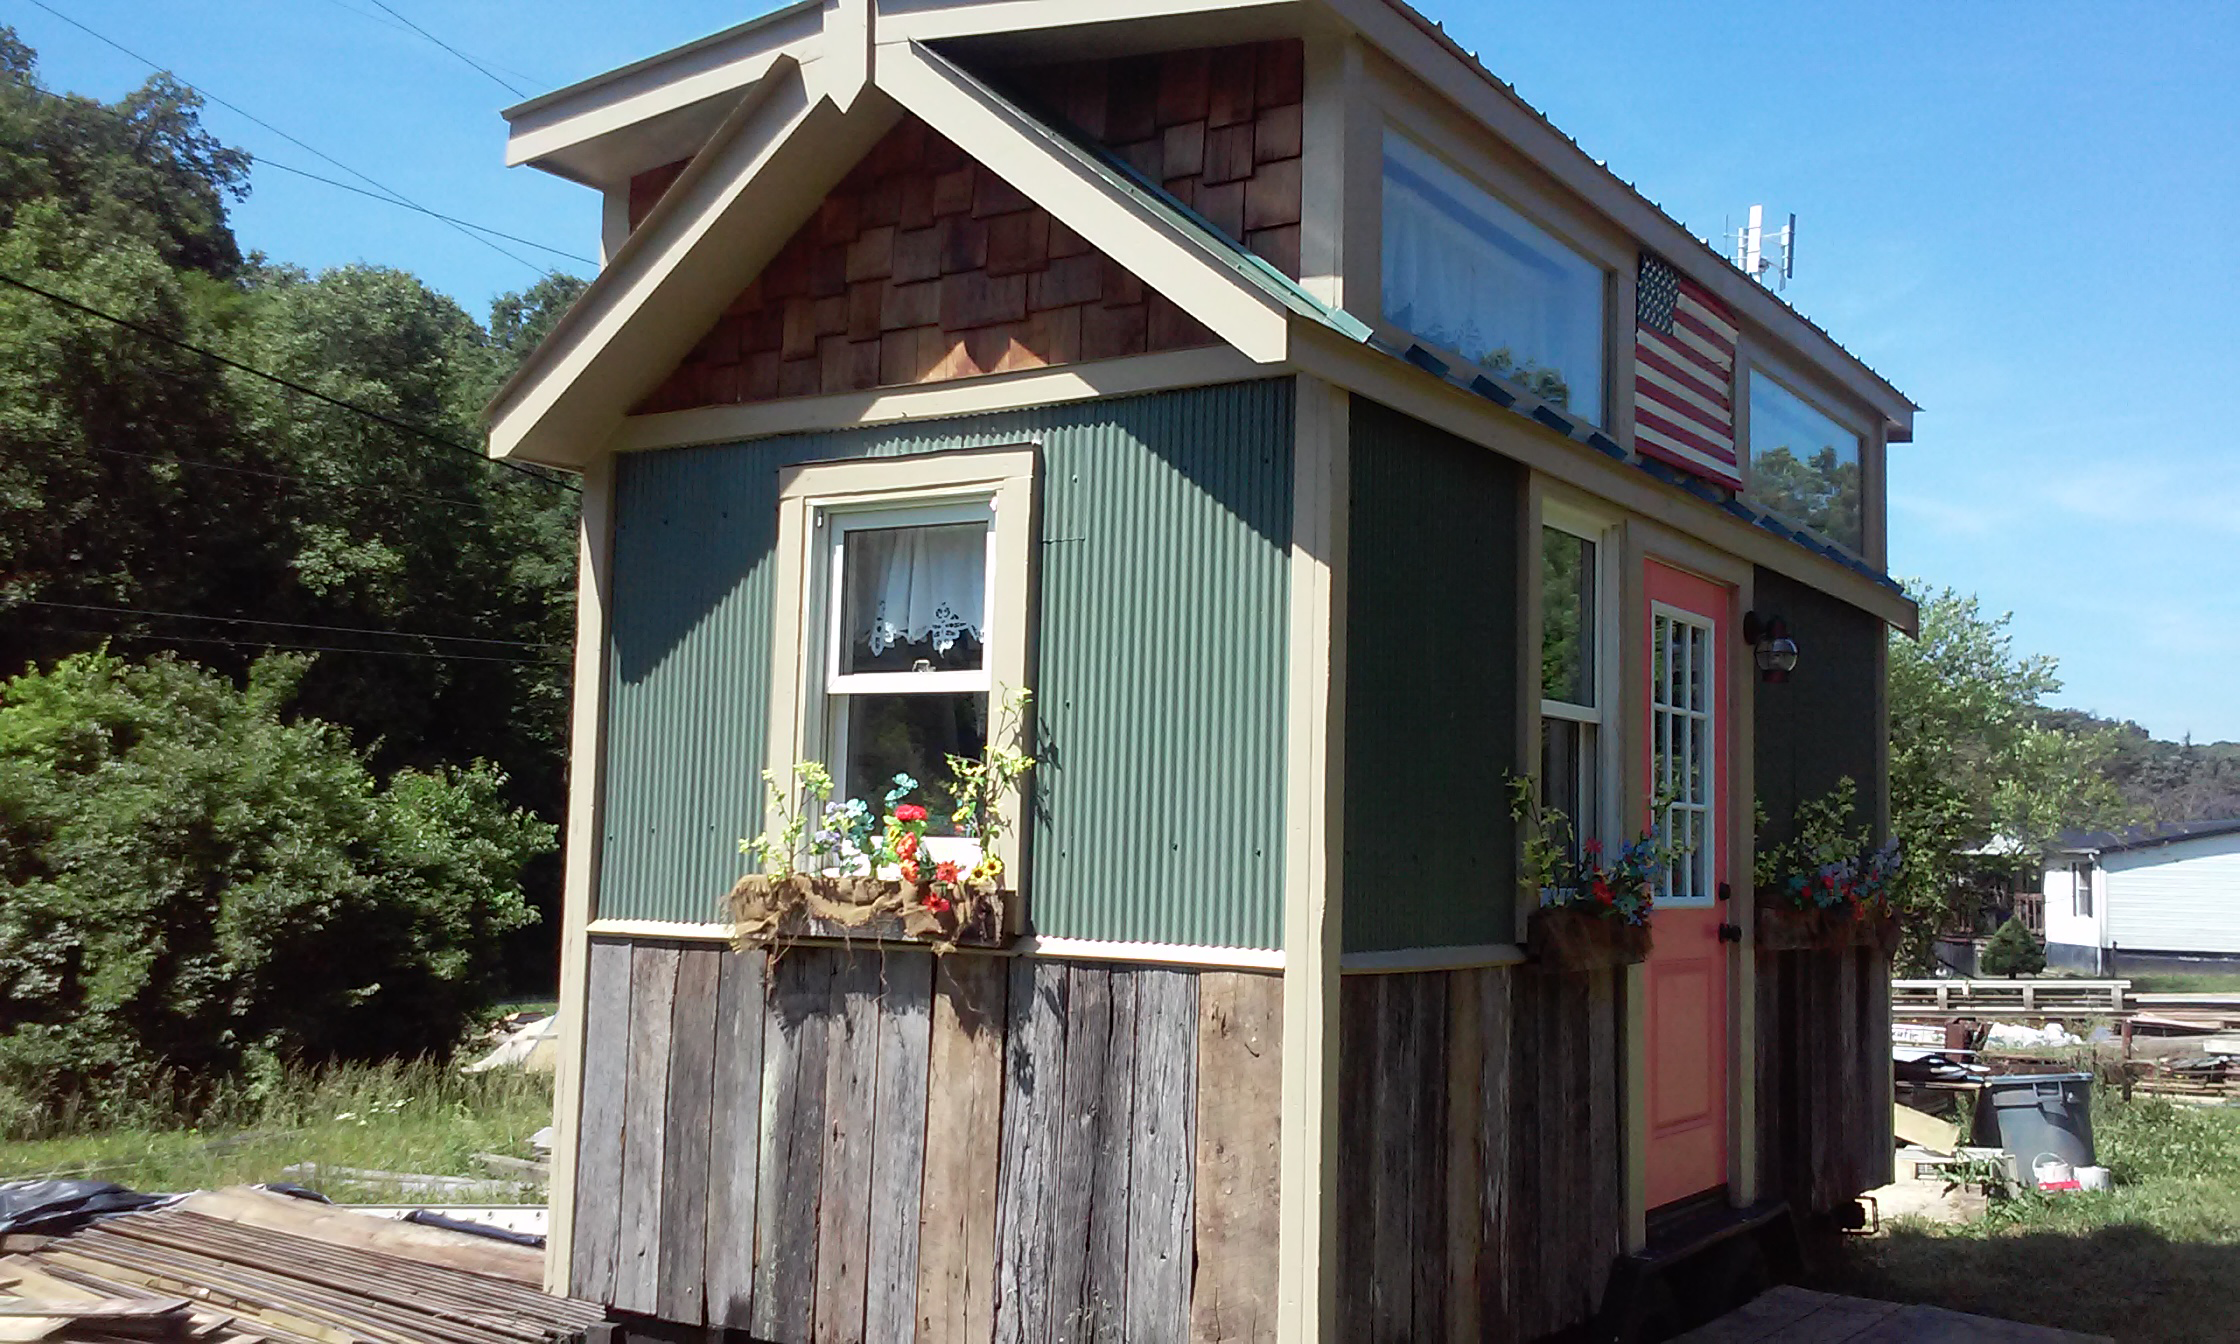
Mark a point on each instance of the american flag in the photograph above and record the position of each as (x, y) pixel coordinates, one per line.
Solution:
(1683, 379)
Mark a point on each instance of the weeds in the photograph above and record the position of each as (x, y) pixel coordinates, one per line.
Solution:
(419, 1116)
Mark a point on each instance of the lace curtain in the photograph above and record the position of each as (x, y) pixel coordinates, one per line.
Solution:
(908, 585)
(1464, 271)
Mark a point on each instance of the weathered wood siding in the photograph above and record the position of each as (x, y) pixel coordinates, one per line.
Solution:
(1823, 1076)
(857, 1144)
(1481, 1159)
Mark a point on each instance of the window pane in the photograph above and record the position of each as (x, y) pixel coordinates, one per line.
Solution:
(911, 735)
(1464, 271)
(914, 595)
(1567, 619)
(1803, 465)
(1569, 776)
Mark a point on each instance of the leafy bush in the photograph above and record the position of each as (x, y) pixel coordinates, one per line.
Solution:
(2013, 950)
(194, 888)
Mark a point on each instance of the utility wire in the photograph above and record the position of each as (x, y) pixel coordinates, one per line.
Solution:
(262, 162)
(304, 648)
(287, 625)
(479, 66)
(315, 394)
(307, 148)
(204, 464)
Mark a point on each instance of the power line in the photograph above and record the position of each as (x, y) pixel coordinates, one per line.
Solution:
(204, 464)
(406, 426)
(307, 148)
(286, 625)
(479, 66)
(263, 162)
(304, 648)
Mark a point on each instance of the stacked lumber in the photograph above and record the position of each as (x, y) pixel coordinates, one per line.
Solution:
(178, 1276)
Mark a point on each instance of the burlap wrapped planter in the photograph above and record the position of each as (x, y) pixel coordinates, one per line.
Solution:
(767, 910)
(1567, 939)
(1787, 929)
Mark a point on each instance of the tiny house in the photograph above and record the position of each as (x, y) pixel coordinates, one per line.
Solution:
(1324, 441)
(2155, 897)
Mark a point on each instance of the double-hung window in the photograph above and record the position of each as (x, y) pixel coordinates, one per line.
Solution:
(1573, 697)
(902, 623)
(906, 636)
(2082, 879)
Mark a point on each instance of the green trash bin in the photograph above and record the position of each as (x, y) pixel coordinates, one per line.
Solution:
(2036, 1115)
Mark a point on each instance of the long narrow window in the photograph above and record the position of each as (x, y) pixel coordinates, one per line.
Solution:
(1465, 271)
(1682, 747)
(1571, 698)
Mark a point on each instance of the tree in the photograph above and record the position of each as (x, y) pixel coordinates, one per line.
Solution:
(192, 882)
(2013, 950)
(1974, 757)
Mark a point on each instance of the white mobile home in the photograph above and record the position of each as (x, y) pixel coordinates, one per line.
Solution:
(2146, 896)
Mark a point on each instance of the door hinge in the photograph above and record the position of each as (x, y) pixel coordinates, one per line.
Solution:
(1730, 933)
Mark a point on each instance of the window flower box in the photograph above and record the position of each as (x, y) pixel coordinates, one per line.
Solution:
(1786, 929)
(769, 910)
(1574, 938)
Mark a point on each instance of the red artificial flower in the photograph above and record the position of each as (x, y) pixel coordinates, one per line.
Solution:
(944, 872)
(937, 903)
(1602, 892)
(909, 812)
(907, 846)
(909, 870)
(1594, 846)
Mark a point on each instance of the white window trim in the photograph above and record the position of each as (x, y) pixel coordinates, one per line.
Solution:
(803, 661)
(1714, 723)
(1604, 533)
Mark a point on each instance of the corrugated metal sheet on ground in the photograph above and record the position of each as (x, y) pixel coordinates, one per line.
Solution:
(1166, 525)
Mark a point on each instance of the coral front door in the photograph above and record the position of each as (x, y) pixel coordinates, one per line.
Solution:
(1687, 967)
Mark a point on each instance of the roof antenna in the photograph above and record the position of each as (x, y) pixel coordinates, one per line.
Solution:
(1750, 250)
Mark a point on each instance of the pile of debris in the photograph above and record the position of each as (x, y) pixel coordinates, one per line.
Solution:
(244, 1265)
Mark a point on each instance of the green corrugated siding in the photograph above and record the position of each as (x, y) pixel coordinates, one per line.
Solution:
(1166, 523)
(1431, 687)
(1820, 725)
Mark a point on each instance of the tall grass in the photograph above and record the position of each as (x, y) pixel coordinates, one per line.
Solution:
(2142, 1262)
(417, 1116)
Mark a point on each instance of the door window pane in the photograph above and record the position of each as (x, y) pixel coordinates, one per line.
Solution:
(1803, 465)
(1466, 272)
(914, 596)
(1567, 618)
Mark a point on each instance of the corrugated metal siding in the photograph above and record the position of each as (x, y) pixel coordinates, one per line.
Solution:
(1166, 525)
(2182, 897)
(1820, 725)
(1431, 687)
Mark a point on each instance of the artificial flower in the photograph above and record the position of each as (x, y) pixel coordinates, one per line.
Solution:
(909, 812)
(944, 872)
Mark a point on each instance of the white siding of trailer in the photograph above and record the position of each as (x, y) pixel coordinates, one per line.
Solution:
(2182, 897)
(2064, 923)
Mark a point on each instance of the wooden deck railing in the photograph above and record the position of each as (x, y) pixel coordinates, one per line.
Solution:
(2012, 998)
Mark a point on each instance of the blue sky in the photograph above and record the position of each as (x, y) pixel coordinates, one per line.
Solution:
(2026, 216)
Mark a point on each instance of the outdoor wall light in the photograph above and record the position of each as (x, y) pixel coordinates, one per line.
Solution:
(1776, 652)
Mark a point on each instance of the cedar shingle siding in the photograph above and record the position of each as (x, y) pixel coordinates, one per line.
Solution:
(923, 266)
